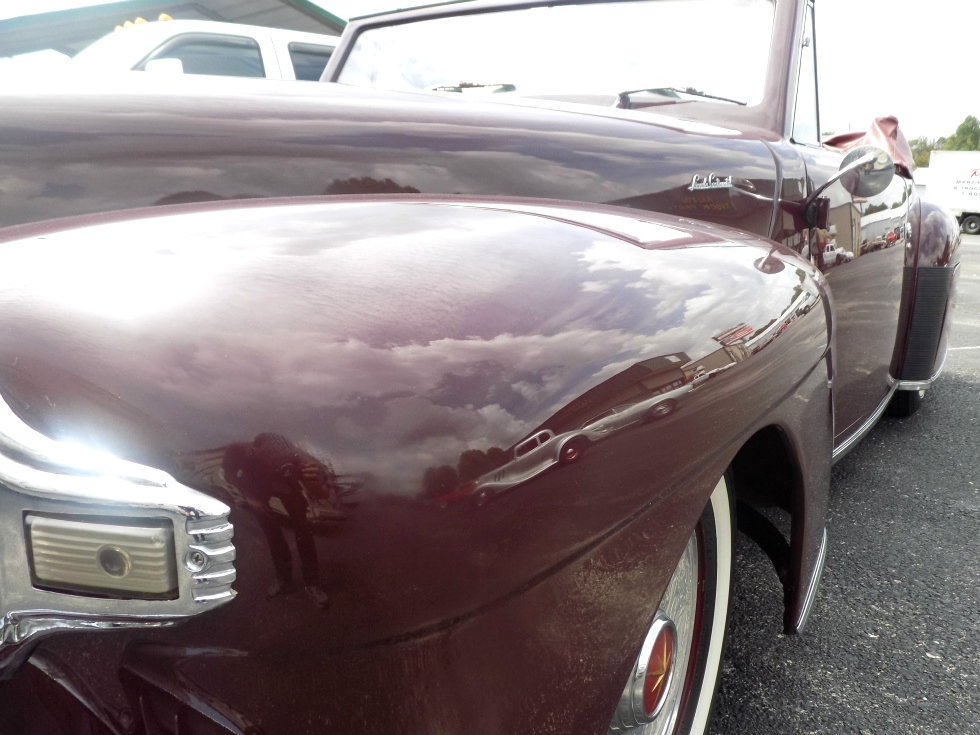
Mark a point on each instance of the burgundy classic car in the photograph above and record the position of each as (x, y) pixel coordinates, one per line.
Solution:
(256, 339)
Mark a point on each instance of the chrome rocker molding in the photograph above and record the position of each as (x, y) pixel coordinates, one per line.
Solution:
(41, 476)
(811, 593)
(924, 384)
(905, 385)
(867, 426)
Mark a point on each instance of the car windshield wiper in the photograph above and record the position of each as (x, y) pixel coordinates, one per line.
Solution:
(673, 93)
(463, 86)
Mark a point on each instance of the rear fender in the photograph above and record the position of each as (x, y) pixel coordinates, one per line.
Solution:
(929, 286)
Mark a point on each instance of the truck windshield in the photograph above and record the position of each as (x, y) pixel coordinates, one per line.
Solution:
(588, 53)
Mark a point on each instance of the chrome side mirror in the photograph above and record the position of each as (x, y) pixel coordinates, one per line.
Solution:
(865, 172)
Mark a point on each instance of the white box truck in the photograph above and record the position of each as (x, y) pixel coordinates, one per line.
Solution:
(954, 182)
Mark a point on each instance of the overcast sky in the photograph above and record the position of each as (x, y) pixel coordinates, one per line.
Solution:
(908, 58)
(912, 59)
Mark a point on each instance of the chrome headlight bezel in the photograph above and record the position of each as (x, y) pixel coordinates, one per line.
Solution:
(41, 477)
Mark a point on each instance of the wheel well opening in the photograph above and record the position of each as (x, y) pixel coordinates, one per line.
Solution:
(764, 471)
(766, 482)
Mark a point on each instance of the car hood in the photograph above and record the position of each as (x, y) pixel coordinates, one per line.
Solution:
(76, 149)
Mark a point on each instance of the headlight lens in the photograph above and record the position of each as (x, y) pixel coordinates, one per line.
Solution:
(111, 557)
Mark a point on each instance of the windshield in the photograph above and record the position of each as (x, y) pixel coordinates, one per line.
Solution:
(664, 51)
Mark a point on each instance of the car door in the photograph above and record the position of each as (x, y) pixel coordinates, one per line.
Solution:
(866, 282)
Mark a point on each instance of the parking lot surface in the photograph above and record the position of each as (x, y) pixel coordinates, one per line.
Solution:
(893, 645)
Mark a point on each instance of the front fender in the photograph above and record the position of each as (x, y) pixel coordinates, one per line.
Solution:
(330, 368)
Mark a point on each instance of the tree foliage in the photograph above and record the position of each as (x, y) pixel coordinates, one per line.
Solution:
(922, 147)
(966, 137)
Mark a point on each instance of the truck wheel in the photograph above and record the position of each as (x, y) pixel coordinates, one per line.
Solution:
(971, 225)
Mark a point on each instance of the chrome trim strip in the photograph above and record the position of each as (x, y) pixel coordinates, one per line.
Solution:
(39, 475)
(924, 384)
(811, 593)
(212, 578)
(867, 426)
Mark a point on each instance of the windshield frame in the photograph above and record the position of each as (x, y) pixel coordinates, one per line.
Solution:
(772, 113)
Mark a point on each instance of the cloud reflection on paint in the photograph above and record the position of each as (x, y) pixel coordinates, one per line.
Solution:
(386, 345)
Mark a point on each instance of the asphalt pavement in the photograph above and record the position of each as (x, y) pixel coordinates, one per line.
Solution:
(893, 644)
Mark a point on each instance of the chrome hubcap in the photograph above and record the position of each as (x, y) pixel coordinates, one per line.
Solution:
(659, 669)
(652, 698)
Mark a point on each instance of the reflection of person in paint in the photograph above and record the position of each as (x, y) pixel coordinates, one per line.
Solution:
(268, 469)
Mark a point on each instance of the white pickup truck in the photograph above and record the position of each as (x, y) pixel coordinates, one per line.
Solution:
(208, 47)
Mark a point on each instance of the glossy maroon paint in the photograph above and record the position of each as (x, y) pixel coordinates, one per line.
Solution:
(369, 345)
(447, 331)
(69, 151)
(938, 238)
(81, 153)
(865, 274)
(935, 258)
(78, 152)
